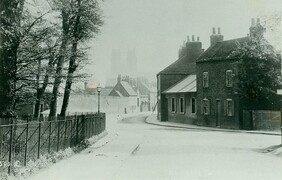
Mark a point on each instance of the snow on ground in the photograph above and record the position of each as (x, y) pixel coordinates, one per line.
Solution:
(135, 150)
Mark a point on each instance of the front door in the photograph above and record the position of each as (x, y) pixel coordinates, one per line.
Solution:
(218, 113)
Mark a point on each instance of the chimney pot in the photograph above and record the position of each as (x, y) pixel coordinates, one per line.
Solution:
(188, 39)
(193, 38)
(253, 22)
(218, 30)
(213, 30)
(198, 38)
(258, 21)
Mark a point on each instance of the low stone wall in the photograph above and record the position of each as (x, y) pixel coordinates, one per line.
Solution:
(266, 120)
(262, 120)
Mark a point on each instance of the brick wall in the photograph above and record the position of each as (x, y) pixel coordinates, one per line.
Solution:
(166, 81)
(217, 91)
(187, 117)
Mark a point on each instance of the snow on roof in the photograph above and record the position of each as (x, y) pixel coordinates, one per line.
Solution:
(128, 88)
(118, 93)
(188, 84)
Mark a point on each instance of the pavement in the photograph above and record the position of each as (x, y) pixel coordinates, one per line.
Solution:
(152, 119)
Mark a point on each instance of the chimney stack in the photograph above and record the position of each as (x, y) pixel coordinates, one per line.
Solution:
(214, 38)
(188, 39)
(213, 30)
(198, 39)
(193, 38)
(253, 22)
(256, 30)
(218, 30)
(258, 21)
(119, 78)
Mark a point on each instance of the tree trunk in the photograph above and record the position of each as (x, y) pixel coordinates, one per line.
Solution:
(40, 91)
(60, 65)
(72, 62)
(71, 70)
(10, 11)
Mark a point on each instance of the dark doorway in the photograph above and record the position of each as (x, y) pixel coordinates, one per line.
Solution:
(218, 112)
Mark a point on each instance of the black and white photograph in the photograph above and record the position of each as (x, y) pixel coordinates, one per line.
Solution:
(140, 90)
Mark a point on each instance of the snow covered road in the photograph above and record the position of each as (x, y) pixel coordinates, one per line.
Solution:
(135, 150)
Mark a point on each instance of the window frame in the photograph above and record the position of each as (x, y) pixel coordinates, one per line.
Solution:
(229, 107)
(173, 105)
(195, 105)
(182, 105)
(205, 79)
(206, 103)
(229, 78)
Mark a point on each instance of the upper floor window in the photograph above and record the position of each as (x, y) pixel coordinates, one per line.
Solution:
(205, 79)
(193, 102)
(229, 107)
(182, 105)
(229, 80)
(206, 106)
(173, 105)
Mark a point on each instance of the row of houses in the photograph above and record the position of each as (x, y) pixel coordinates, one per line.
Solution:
(201, 86)
(136, 94)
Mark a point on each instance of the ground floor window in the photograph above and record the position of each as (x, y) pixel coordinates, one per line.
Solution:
(182, 105)
(206, 106)
(173, 107)
(229, 107)
(193, 102)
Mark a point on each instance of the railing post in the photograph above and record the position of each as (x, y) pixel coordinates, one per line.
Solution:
(71, 132)
(76, 119)
(92, 118)
(11, 146)
(26, 141)
(58, 135)
(65, 133)
(39, 138)
(84, 130)
(49, 138)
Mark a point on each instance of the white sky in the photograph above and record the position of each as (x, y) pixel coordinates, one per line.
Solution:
(156, 28)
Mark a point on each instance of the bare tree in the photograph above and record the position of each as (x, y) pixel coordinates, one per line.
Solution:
(87, 22)
(65, 10)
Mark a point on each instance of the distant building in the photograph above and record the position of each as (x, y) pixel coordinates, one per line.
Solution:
(138, 88)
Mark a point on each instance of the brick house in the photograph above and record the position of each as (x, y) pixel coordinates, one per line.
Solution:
(177, 71)
(218, 101)
(215, 100)
(182, 100)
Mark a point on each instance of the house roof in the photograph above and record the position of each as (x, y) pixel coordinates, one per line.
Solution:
(221, 50)
(188, 84)
(180, 66)
(128, 88)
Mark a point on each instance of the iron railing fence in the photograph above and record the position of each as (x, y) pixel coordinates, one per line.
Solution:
(28, 139)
